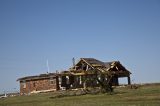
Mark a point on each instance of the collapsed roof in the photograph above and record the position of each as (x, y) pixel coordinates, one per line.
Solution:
(114, 67)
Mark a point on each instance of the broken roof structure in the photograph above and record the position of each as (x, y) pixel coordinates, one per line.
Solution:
(114, 67)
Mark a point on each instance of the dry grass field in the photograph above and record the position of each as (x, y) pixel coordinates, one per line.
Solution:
(145, 95)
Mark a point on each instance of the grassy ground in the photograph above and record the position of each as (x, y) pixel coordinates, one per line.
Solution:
(148, 95)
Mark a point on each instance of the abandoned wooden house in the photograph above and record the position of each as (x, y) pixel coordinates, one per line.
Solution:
(88, 70)
(85, 73)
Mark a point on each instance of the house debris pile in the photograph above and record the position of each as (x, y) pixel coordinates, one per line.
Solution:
(86, 73)
(78, 92)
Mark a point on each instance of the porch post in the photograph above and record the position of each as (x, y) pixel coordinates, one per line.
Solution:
(129, 80)
(84, 82)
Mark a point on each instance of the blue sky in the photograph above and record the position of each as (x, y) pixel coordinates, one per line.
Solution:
(32, 31)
